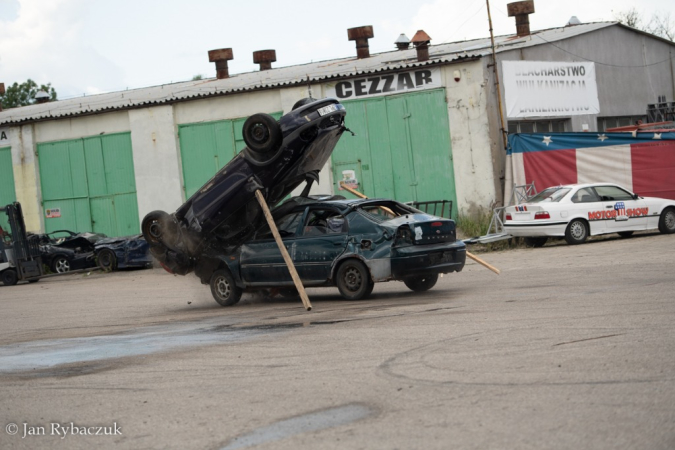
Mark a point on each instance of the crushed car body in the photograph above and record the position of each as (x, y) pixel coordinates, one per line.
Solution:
(123, 253)
(278, 157)
(350, 244)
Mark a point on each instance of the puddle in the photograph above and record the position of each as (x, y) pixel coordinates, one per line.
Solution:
(316, 421)
(147, 340)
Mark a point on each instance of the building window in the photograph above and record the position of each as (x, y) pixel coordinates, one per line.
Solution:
(538, 126)
(622, 121)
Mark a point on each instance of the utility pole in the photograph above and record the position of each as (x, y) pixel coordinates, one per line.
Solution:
(496, 72)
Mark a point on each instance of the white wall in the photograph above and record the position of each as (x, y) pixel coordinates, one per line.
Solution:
(470, 137)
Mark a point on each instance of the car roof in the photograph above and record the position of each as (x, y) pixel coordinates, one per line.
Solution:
(584, 185)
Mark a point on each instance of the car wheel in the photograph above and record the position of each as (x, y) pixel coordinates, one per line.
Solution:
(626, 234)
(535, 242)
(262, 134)
(223, 289)
(353, 280)
(60, 264)
(159, 228)
(9, 277)
(577, 232)
(106, 260)
(421, 283)
(667, 221)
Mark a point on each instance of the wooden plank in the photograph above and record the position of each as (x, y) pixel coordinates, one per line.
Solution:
(284, 252)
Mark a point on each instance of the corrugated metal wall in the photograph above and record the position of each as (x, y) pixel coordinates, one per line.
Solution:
(206, 147)
(401, 149)
(91, 181)
(7, 192)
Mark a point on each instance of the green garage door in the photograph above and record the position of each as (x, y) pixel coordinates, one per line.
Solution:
(401, 149)
(88, 185)
(206, 147)
(7, 192)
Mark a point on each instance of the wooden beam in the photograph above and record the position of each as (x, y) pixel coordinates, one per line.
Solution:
(284, 252)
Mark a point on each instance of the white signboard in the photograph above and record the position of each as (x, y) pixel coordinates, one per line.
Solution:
(4, 137)
(395, 83)
(550, 89)
(53, 213)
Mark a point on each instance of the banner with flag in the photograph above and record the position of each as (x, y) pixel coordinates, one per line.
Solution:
(642, 162)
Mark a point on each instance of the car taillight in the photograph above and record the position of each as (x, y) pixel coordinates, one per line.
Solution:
(508, 216)
(542, 215)
(436, 224)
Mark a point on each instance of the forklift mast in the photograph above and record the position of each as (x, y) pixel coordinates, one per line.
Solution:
(25, 252)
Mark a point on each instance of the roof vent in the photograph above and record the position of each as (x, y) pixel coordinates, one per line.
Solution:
(265, 58)
(221, 57)
(574, 20)
(402, 43)
(361, 36)
(521, 10)
(41, 97)
(421, 42)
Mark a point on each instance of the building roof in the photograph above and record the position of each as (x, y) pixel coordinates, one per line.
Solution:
(316, 72)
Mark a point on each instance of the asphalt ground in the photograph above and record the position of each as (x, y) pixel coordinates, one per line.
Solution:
(571, 347)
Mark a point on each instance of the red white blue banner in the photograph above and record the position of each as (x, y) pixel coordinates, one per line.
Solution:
(644, 163)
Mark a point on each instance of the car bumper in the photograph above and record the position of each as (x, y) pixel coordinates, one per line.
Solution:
(428, 259)
(534, 229)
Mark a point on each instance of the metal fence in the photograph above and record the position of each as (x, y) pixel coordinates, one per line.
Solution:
(440, 208)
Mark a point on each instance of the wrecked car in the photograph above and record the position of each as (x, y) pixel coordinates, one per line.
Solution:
(123, 253)
(278, 157)
(65, 250)
(350, 244)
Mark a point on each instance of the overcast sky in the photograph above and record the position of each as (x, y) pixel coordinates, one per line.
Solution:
(85, 47)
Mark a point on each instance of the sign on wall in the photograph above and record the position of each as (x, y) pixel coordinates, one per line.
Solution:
(4, 137)
(395, 83)
(550, 89)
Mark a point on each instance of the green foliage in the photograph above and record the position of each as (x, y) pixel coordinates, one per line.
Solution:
(24, 94)
(197, 77)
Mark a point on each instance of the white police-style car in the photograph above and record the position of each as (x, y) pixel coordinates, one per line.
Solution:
(577, 211)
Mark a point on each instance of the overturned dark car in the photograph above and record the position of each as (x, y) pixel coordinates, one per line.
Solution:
(224, 213)
(350, 244)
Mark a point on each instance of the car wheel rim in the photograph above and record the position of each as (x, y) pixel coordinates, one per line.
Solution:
(670, 220)
(259, 132)
(352, 279)
(223, 288)
(62, 266)
(578, 230)
(105, 259)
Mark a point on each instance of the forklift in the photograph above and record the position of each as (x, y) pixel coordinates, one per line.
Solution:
(19, 256)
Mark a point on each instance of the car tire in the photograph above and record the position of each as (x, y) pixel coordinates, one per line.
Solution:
(9, 277)
(223, 288)
(159, 228)
(535, 242)
(353, 280)
(60, 264)
(667, 221)
(421, 283)
(262, 135)
(626, 234)
(576, 232)
(106, 260)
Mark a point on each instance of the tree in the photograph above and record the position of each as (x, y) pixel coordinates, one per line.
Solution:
(659, 25)
(24, 94)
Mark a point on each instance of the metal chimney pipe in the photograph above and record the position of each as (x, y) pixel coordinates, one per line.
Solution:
(265, 58)
(221, 57)
(421, 42)
(402, 42)
(521, 10)
(361, 36)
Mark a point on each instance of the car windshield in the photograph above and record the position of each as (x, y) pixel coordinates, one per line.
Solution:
(552, 194)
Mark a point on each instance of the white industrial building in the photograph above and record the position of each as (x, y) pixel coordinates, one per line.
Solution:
(427, 127)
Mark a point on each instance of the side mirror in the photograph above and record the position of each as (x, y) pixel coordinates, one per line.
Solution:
(635, 196)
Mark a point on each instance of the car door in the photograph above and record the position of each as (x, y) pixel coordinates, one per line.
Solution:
(261, 261)
(323, 238)
(624, 212)
(587, 204)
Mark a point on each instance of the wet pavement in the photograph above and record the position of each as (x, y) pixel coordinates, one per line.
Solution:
(568, 348)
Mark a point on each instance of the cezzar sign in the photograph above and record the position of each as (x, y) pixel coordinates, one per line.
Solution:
(385, 84)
